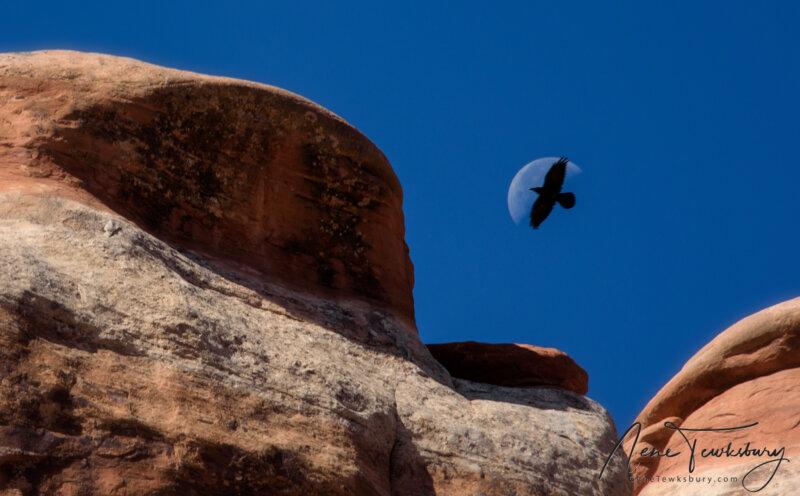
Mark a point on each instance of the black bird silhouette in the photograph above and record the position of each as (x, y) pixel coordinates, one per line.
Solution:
(550, 193)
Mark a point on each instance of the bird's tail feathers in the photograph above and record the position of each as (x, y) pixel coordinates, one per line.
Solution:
(566, 200)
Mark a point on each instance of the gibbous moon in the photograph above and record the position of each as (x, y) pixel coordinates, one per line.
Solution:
(520, 197)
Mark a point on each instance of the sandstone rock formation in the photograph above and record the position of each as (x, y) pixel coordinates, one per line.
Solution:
(749, 373)
(235, 170)
(512, 365)
(204, 289)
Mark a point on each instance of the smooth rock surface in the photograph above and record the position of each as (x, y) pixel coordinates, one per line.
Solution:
(511, 365)
(748, 373)
(138, 357)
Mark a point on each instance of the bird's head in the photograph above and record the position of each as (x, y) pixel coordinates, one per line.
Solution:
(537, 189)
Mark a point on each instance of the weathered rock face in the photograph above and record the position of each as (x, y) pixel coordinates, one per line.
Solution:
(749, 373)
(243, 172)
(512, 365)
(176, 317)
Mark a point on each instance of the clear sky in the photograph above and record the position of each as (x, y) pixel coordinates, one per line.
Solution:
(682, 115)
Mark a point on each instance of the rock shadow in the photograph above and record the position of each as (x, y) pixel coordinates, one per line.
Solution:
(543, 398)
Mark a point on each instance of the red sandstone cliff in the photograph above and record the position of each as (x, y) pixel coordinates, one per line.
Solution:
(242, 172)
(205, 289)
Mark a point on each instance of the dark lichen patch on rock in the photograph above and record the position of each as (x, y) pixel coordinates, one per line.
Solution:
(163, 161)
(338, 187)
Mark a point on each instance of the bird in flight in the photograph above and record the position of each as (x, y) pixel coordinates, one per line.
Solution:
(550, 193)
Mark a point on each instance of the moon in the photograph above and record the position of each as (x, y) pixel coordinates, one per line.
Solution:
(520, 197)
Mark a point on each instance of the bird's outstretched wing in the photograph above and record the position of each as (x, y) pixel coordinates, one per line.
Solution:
(540, 210)
(554, 178)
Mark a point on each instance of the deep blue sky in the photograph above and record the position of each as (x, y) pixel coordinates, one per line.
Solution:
(683, 116)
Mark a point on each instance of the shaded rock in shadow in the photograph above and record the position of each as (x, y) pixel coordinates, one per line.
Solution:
(511, 365)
